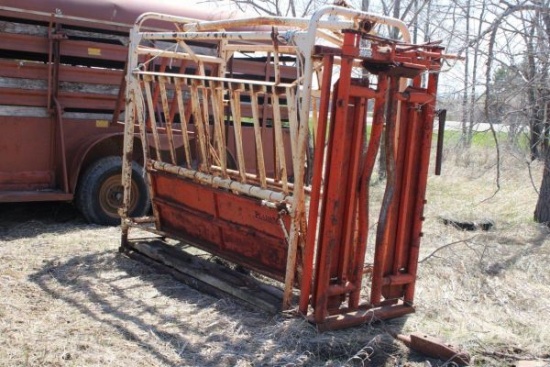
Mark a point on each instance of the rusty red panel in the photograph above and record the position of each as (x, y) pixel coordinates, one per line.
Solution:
(238, 244)
(87, 100)
(34, 97)
(261, 218)
(75, 48)
(20, 140)
(203, 215)
(37, 195)
(26, 180)
(22, 69)
(67, 73)
(23, 97)
(189, 223)
(193, 197)
(22, 168)
(265, 253)
(90, 75)
(24, 43)
(94, 50)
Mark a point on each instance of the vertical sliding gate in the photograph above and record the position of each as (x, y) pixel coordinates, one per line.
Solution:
(265, 134)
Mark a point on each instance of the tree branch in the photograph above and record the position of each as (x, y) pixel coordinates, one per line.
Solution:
(445, 246)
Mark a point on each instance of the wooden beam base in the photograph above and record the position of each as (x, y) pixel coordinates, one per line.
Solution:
(217, 280)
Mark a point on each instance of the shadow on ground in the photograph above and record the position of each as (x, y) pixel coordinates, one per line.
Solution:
(18, 220)
(117, 301)
(174, 324)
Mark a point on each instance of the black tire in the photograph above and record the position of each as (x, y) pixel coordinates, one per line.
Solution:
(99, 193)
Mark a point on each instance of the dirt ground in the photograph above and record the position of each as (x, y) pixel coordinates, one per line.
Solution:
(68, 298)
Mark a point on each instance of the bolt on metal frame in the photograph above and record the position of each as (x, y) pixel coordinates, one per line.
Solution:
(309, 234)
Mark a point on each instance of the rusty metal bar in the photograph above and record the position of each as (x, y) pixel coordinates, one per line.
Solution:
(319, 172)
(292, 105)
(258, 139)
(167, 119)
(62, 145)
(359, 118)
(226, 183)
(155, 53)
(420, 200)
(368, 168)
(280, 162)
(151, 113)
(236, 112)
(261, 48)
(216, 95)
(406, 180)
(200, 126)
(385, 218)
(333, 218)
(120, 97)
(184, 125)
(207, 78)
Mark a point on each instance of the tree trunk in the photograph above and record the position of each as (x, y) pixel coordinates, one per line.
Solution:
(465, 112)
(535, 133)
(532, 95)
(542, 210)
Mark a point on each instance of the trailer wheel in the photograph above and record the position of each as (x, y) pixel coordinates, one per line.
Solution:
(99, 194)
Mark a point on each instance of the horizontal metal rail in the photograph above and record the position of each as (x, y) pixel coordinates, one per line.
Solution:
(225, 183)
(226, 81)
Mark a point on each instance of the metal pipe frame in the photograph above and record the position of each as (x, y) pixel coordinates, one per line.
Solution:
(239, 203)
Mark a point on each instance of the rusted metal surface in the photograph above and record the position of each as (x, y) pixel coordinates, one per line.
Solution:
(220, 220)
(255, 207)
(61, 68)
(435, 348)
(37, 139)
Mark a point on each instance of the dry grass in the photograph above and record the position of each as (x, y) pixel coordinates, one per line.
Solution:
(67, 298)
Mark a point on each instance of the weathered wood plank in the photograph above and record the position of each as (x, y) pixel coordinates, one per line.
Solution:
(206, 276)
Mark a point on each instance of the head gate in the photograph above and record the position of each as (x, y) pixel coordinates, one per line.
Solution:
(260, 138)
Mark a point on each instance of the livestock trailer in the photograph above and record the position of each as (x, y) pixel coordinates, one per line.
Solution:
(62, 68)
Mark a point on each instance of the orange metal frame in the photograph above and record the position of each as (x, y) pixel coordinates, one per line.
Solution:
(340, 194)
(260, 221)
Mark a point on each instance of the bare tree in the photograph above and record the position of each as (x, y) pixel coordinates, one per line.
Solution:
(537, 35)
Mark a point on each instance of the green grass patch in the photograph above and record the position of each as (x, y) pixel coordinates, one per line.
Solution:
(484, 139)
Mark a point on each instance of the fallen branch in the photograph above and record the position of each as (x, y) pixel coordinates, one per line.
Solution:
(518, 357)
(445, 246)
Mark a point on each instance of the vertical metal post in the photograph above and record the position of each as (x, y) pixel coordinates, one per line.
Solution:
(338, 203)
(386, 218)
(425, 144)
(363, 202)
(318, 174)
